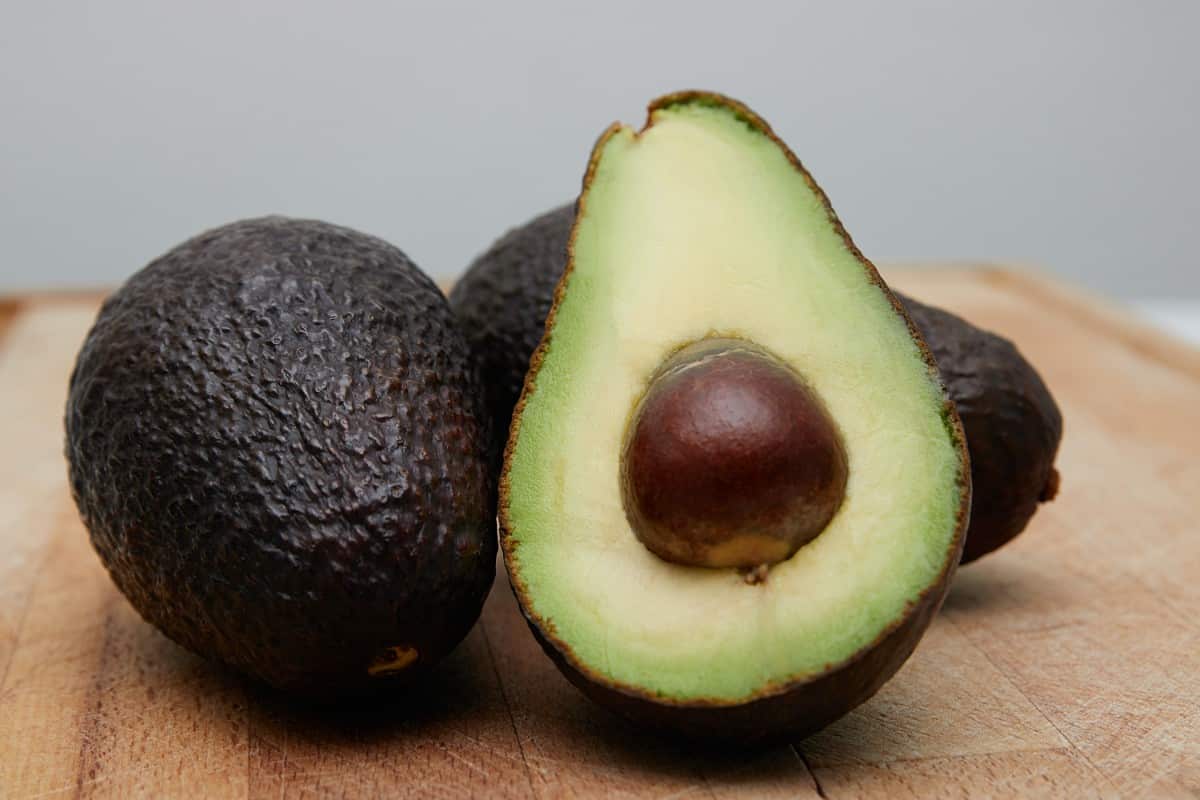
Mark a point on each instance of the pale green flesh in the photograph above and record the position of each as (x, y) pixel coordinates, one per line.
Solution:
(701, 224)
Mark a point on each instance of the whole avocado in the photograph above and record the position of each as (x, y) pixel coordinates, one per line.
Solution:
(1012, 423)
(278, 442)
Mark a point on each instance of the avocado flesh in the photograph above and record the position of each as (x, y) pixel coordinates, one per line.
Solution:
(1012, 423)
(277, 439)
(703, 225)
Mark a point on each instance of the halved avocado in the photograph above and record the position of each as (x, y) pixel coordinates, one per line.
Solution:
(714, 313)
(1012, 423)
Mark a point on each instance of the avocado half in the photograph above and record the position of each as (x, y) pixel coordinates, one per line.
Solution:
(277, 439)
(712, 314)
(1012, 423)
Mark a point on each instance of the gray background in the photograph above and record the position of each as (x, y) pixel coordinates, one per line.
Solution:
(1060, 134)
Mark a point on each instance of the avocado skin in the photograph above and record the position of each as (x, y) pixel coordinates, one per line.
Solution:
(1012, 424)
(277, 439)
(503, 299)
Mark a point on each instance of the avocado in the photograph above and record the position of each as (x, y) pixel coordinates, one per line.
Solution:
(278, 441)
(503, 299)
(734, 491)
(1012, 423)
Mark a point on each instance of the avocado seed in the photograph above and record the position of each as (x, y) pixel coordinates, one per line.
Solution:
(730, 459)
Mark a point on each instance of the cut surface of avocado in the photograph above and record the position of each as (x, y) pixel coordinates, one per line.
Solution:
(701, 226)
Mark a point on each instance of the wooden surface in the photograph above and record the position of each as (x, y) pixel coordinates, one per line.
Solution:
(1067, 665)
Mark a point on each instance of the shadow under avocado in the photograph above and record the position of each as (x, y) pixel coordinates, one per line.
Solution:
(453, 691)
(1002, 584)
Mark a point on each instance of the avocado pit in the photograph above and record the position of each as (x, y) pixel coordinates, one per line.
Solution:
(730, 459)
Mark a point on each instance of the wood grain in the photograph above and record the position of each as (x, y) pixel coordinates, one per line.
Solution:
(1066, 665)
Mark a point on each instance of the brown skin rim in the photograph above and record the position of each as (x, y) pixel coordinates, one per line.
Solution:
(791, 708)
(794, 710)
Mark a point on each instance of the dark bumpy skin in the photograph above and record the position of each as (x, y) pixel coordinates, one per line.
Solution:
(1013, 425)
(807, 703)
(503, 299)
(278, 442)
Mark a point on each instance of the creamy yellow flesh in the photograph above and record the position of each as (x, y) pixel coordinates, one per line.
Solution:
(700, 225)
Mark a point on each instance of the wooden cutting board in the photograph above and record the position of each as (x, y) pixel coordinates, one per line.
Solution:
(1066, 665)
